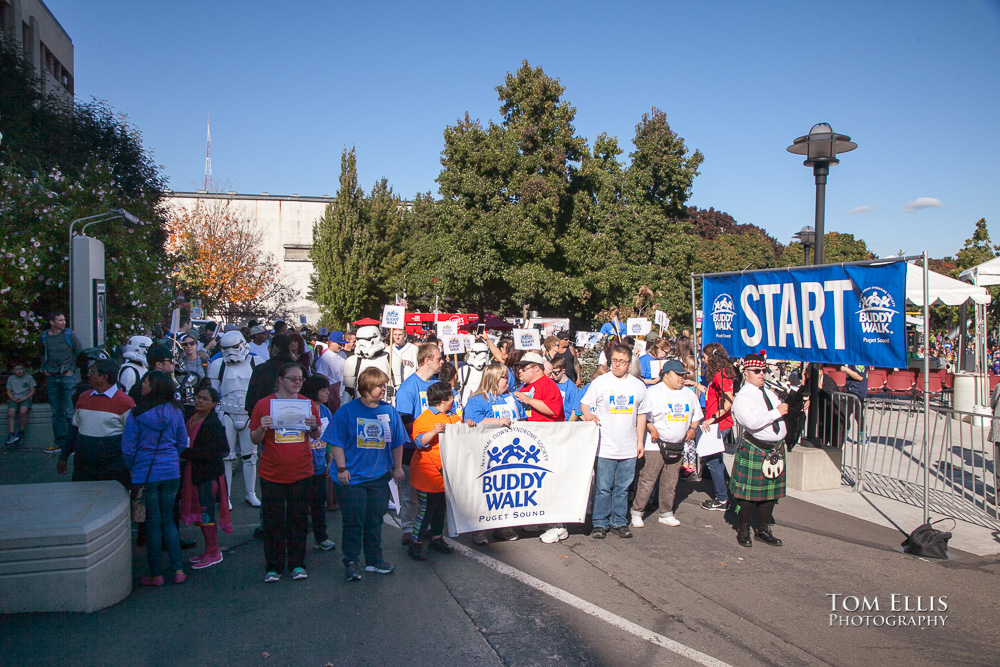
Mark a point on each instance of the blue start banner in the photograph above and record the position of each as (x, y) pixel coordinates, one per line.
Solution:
(828, 314)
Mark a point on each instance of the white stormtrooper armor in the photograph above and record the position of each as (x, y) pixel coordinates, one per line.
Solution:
(134, 368)
(470, 375)
(230, 375)
(368, 351)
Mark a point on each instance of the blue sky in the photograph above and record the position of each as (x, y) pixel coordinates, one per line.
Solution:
(289, 85)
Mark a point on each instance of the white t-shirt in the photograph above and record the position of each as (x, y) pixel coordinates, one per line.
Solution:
(331, 365)
(261, 351)
(618, 402)
(672, 411)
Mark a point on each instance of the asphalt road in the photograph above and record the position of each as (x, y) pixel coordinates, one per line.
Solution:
(684, 595)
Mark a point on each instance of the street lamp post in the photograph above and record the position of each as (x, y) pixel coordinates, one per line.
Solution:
(807, 237)
(90, 220)
(821, 147)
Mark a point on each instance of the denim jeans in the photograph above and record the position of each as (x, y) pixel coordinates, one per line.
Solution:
(362, 507)
(613, 477)
(160, 527)
(60, 388)
(717, 469)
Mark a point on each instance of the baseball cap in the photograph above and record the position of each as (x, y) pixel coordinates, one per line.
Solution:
(257, 330)
(675, 366)
(532, 358)
(337, 337)
(158, 353)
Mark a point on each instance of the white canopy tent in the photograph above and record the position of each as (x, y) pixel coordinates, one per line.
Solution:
(987, 273)
(942, 290)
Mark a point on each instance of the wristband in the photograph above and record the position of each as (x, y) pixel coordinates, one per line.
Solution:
(340, 470)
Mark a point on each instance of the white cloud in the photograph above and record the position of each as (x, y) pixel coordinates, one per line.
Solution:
(867, 208)
(922, 202)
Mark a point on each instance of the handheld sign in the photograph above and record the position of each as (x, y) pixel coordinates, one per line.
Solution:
(637, 326)
(588, 339)
(453, 344)
(392, 317)
(640, 347)
(445, 329)
(661, 318)
(527, 339)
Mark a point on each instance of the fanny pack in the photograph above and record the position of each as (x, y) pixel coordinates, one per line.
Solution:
(670, 451)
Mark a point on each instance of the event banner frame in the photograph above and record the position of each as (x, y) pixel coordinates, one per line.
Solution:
(527, 473)
(832, 314)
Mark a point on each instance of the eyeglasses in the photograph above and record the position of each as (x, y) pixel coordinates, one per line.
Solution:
(620, 362)
(296, 379)
(189, 344)
(755, 370)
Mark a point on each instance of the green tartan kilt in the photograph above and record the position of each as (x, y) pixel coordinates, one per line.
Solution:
(747, 481)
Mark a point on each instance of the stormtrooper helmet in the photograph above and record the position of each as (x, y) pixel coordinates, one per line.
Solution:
(369, 342)
(479, 355)
(135, 349)
(234, 347)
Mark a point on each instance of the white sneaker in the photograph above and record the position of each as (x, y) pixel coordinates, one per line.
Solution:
(669, 519)
(252, 499)
(637, 520)
(553, 535)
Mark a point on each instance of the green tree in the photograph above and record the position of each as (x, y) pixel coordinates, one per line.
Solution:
(506, 195)
(976, 249)
(87, 160)
(356, 249)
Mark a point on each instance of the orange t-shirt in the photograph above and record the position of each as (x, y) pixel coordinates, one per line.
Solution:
(425, 466)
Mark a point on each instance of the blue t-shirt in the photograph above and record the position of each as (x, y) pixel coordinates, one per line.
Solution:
(411, 398)
(645, 370)
(318, 445)
(571, 398)
(485, 406)
(367, 436)
(609, 329)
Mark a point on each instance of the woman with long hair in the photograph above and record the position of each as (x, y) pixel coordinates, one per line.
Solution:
(493, 404)
(718, 391)
(203, 485)
(298, 350)
(317, 389)
(152, 441)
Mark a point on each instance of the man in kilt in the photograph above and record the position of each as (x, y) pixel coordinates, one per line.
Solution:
(758, 410)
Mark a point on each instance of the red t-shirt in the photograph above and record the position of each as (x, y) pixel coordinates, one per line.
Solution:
(284, 457)
(546, 390)
(713, 398)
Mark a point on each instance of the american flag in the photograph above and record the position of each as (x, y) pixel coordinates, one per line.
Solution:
(401, 300)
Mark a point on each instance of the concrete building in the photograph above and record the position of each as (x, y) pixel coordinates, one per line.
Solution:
(46, 45)
(287, 222)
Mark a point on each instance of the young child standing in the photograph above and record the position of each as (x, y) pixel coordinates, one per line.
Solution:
(317, 389)
(425, 471)
(20, 390)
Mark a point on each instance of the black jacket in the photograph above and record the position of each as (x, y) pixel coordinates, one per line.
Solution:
(263, 380)
(209, 448)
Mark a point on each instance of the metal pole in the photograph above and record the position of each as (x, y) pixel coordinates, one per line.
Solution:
(927, 352)
(820, 171)
(694, 317)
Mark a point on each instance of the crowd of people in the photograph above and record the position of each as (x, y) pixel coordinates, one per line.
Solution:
(336, 416)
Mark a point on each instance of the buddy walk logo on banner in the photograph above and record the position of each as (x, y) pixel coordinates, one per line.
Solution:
(528, 473)
(827, 314)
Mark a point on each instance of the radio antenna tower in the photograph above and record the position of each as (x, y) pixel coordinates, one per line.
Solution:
(208, 157)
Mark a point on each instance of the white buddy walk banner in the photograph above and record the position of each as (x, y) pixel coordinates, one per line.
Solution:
(528, 473)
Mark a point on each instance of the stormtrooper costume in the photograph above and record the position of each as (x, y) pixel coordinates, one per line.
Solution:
(404, 363)
(470, 375)
(134, 368)
(368, 351)
(230, 375)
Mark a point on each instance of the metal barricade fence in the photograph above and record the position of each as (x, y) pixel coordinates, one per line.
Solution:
(882, 452)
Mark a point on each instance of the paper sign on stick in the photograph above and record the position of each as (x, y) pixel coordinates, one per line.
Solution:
(640, 347)
(527, 339)
(445, 329)
(661, 318)
(637, 326)
(454, 344)
(392, 317)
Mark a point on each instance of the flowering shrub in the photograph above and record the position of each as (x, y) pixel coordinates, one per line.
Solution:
(34, 271)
